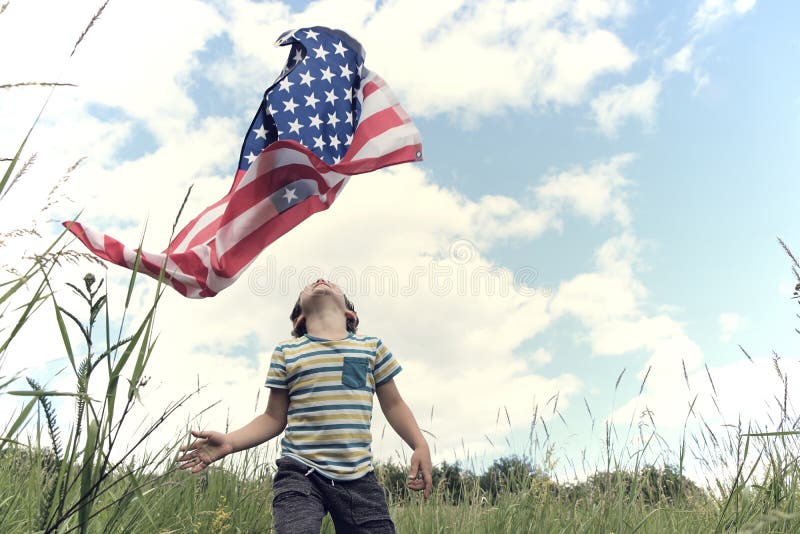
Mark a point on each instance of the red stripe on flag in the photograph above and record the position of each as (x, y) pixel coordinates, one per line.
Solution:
(401, 155)
(248, 247)
(370, 87)
(253, 193)
(372, 126)
(245, 251)
(192, 266)
(115, 251)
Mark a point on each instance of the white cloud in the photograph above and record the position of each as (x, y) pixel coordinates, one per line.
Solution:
(619, 336)
(595, 193)
(729, 324)
(711, 12)
(592, 10)
(541, 357)
(740, 391)
(457, 58)
(681, 61)
(708, 15)
(613, 107)
(609, 293)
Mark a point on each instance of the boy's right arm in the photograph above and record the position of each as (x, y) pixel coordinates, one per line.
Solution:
(265, 426)
(213, 446)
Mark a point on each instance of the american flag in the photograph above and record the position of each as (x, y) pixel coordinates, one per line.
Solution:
(325, 118)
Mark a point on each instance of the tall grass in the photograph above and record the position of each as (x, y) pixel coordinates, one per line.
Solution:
(68, 478)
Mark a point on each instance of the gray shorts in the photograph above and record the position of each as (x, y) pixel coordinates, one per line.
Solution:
(301, 501)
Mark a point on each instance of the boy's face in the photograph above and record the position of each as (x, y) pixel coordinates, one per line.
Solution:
(319, 293)
(319, 289)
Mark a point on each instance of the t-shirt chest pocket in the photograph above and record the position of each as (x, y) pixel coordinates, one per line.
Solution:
(354, 372)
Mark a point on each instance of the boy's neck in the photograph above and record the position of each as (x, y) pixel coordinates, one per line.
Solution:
(326, 324)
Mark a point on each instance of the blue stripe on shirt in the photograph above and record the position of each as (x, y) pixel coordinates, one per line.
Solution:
(387, 378)
(322, 446)
(334, 426)
(331, 407)
(317, 389)
(347, 350)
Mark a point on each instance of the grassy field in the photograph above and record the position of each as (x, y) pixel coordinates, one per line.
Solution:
(236, 498)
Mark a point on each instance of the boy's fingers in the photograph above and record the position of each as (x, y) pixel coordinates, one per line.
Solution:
(416, 485)
(412, 475)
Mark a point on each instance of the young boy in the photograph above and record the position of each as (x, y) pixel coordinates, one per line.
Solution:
(321, 384)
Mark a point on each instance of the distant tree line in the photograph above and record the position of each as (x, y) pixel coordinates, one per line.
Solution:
(515, 475)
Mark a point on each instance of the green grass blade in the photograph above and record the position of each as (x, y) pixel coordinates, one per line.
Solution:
(5, 186)
(86, 475)
(29, 309)
(18, 422)
(771, 434)
(62, 328)
(135, 268)
(37, 394)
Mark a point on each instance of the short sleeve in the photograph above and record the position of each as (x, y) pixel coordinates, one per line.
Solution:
(276, 376)
(386, 366)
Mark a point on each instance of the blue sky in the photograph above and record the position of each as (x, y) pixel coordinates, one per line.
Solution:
(640, 156)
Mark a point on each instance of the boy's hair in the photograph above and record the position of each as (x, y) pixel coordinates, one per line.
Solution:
(300, 329)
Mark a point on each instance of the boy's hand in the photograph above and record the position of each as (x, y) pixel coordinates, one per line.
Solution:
(202, 452)
(421, 461)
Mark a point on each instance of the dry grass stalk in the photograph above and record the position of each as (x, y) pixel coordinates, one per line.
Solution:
(88, 27)
(64, 179)
(685, 374)
(70, 256)
(36, 84)
(644, 380)
(789, 252)
(713, 387)
(28, 164)
(619, 378)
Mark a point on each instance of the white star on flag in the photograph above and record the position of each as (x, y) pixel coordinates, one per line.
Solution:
(286, 84)
(290, 105)
(330, 96)
(321, 52)
(340, 49)
(261, 133)
(311, 100)
(333, 120)
(295, 126)
(289, 195)
(307, 78)
(327, 74)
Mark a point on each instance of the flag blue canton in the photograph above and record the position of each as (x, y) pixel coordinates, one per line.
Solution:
(314, 101)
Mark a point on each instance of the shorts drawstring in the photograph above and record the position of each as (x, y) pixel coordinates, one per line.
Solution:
(311, 470)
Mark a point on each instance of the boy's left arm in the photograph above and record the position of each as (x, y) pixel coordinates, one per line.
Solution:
(402, 421)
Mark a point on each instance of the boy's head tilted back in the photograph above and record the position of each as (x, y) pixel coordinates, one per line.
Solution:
(323, 299)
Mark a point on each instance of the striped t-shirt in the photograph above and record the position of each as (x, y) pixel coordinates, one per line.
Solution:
(331, 383)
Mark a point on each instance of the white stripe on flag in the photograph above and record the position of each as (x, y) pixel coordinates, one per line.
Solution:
(389, 141)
